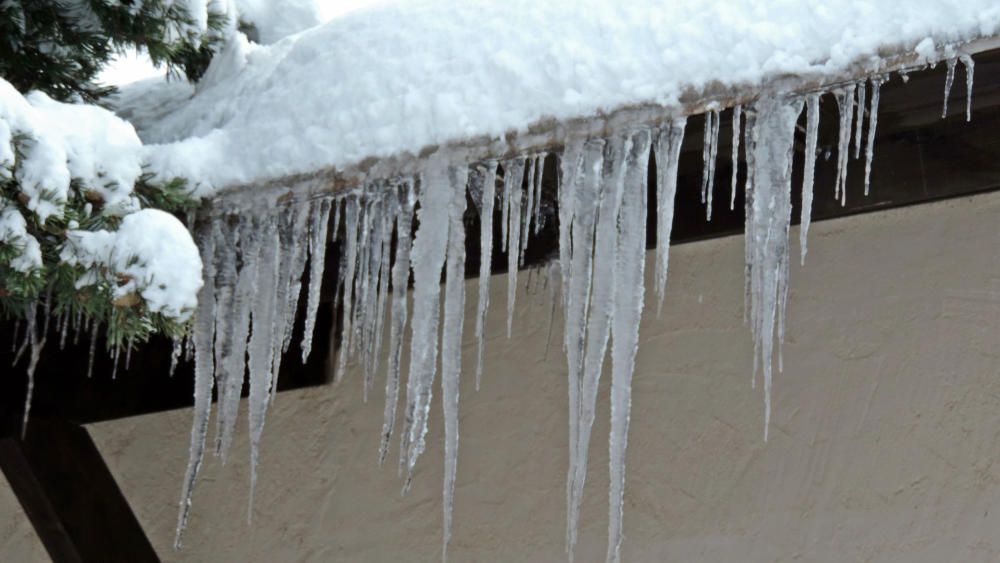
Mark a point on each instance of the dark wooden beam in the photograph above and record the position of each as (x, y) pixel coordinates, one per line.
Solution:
(70, 496)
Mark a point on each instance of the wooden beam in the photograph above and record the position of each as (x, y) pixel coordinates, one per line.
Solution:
(70, 496)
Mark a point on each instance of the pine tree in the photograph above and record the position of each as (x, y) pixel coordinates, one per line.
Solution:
(59, 46)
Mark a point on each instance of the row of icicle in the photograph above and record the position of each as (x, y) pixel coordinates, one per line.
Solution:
(254, 265)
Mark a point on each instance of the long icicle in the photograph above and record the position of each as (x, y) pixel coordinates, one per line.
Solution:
(668, 152)
(859, 117)
(809, 173)
(451, 342)
(513, 179)
(428, 256)
(970, 69)
(710, 152)
(203, 379)
(485, 261)
(352, 216)
(400, 281)
(317, 260)
(737, 115)
(627, 312)
(877, 82)
(845, 101)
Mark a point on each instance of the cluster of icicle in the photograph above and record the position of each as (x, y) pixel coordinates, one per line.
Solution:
(254, 266)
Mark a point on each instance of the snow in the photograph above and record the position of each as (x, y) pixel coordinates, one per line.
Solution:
(14, 231)
(396, 77)
(151, 254)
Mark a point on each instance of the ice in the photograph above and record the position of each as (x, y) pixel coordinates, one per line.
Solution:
(451, 340)
(397, 323)
(668, 151)
(877, 82)
(233, 331)
(428, 256)
(352, 216)
(737, 115)
(582, 179)
(845, 102)
(35, 338)
(709, 155)
(513, 178)
(534, 168)
(809, 172)
(485, 259)
(948, 81)
(767, 226)
(204, 333)
(970, 68)
(539, 176)
(859, 120)
(391, 207)
(317, 257)
(627, 312)
(260, 358)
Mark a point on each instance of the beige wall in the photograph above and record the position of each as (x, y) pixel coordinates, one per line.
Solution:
(884, 446)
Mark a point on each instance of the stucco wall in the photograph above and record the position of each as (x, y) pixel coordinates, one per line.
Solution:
(884, 444)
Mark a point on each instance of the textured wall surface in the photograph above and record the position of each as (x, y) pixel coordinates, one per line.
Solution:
(884, 446)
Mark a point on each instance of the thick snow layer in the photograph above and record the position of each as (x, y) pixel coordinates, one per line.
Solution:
(151, 254)
(61, 142)
(404, 75)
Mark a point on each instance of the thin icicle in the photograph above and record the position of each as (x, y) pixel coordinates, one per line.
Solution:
(93, 349)
(36, 340)
(748, 199)
(970, 69)
(428, 256)
(774, 135)
(369, 311)
(710, 154)
(627, 312)
(513, 178)
(400, 279)
(203, 378)
(539, 176)
(845, 101)
(668, 152)
(582, 176)
(859, 117)
(260, 358)
(352, 216)
(485, 260)
(737, 114)
(948, 81)
(391, 208)
(877, 82)
(809, 173)
(318, 225)
(175, 354)
(528, 209)
(300, 248)
(451, 342)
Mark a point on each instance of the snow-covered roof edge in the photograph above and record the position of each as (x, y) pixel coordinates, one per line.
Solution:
(549, 133)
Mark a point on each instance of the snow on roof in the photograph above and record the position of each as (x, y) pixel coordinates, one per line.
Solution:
(404, 76)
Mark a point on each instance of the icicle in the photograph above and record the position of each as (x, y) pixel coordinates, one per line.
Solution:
(128, 354)
(37, 342)
(428, 256)
(294, 221)
(626, 314)
(539, 176)
(298, 263)
(774, 135)
(812, 136)
(236, 292)
(400, 279)
(318, 225)
(513, 178)
(175, 355)
(93, 349)
(361, 281)
(451, 341)
(13, 341)
(505, 196)
(583, 178)
(845, 101)
(63, 329)
(668, 152)
(710, 154)
(391, 208)
(737, 114)
(877, 82)
(748, 196)
(970, 68)
(948, 81)
(859, 117)
(598, 322)
(203, 377)
(260, 358)
(369, 294)
(485, 261)
(528, 210)
(352, 216)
